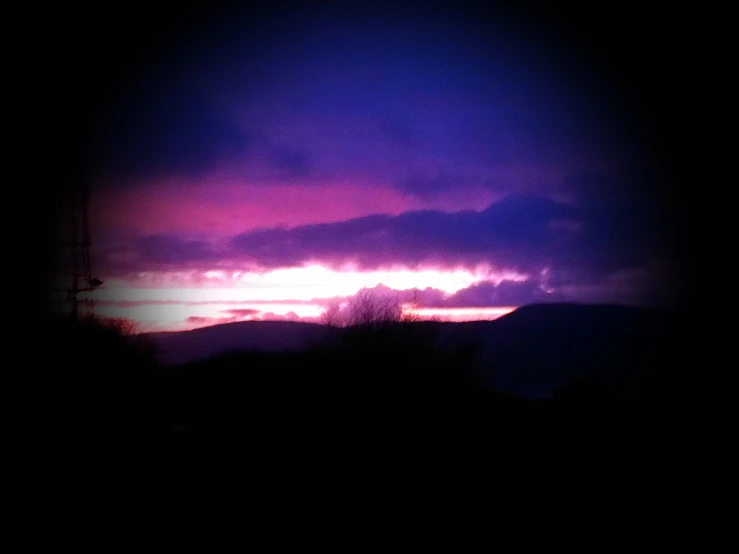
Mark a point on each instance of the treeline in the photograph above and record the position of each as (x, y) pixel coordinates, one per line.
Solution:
(381, 440)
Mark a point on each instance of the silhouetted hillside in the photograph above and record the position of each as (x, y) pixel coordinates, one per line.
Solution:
(273, 336)
(539, 348)
(373, 439)
(530, 352)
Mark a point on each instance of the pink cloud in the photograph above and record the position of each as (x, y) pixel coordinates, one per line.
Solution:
(222, 205)
(221, 209)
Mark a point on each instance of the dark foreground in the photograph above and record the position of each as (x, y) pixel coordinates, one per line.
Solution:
(374, 444)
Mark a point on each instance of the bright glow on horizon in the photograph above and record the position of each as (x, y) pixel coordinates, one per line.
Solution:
(466, 314)
(174, 301)
(298, 283)
(183, 317)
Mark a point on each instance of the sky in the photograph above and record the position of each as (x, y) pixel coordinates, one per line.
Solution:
(272, 166)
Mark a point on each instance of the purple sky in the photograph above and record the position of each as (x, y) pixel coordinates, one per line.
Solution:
(291, 158)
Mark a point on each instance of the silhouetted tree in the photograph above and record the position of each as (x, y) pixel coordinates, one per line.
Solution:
(369, 308)
(332, 316)
(119, 325)
(410, 311)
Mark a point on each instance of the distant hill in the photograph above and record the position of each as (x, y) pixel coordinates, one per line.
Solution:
(537, 349)
(530, 352)
(270, 336)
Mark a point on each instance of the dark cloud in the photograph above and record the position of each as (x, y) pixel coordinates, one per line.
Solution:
(290, 161)
(484, 294)
(241, 312)
(166, 250)
(164, 128)
(625, 220)
(398, 130)
(514, 233)
(479, 295)
(636, 287)
(199, 319)
(506, 293)
(443, 86)
(428, 297)
(423, 186)
(603, 241)
(153, 252)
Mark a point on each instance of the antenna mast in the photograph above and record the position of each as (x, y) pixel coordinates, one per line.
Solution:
(77, 274)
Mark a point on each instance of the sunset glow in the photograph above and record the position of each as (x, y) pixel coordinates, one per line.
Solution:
(472, 168)
(465, 314)
(298, 283)
(351, 277)
(178, 300)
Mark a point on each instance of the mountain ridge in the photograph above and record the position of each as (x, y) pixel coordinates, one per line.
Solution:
(530, 352)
